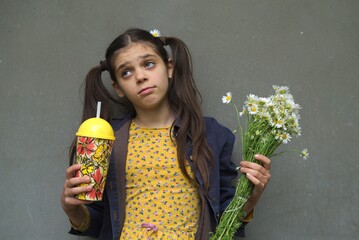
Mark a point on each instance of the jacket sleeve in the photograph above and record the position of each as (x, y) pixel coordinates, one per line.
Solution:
(228, 174)
(96, 215)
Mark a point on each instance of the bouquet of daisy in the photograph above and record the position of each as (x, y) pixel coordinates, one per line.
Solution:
(269, 122)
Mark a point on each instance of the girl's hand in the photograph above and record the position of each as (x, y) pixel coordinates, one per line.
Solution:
(69, 203)
(259, 176)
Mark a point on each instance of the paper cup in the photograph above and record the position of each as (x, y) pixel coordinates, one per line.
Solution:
(93, 151)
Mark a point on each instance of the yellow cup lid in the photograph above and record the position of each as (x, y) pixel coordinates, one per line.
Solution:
(97, 128)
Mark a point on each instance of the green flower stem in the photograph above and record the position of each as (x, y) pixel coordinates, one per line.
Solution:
(230, 220)
(239, 126)
(259, 134)
(252, 143)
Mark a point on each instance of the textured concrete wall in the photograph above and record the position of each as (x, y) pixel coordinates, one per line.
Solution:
(46, 48)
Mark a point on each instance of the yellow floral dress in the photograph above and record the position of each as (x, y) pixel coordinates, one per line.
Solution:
(160, 202)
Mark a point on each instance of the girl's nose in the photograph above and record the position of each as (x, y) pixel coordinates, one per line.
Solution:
(141, 76)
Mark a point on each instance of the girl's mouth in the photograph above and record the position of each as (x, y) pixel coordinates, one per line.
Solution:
(146, 91)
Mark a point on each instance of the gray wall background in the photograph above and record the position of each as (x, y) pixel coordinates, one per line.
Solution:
(47, 47)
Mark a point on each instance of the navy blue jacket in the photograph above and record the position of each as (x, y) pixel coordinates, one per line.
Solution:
(107, 216)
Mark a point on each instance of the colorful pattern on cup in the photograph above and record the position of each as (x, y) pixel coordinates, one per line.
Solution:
(94, 155)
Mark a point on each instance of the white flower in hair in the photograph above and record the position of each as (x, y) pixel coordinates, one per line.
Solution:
(155, 33)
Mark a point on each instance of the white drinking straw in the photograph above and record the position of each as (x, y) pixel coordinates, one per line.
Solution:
(98, 109)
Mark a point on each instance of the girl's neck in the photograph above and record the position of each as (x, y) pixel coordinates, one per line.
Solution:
(154, 119)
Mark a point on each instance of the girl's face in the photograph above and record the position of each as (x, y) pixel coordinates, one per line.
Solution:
(142, 76)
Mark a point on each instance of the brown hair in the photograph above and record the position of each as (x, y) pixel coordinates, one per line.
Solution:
(183, 96)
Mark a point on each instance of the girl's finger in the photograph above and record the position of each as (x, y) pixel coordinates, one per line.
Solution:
(70, 171)
(75, 181)
(263, 159)
(70, 192)
(252, 168)
(75, 201)
(256, 182)
(261, 174)
(258, 175)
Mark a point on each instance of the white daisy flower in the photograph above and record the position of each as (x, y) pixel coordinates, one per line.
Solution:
(289, 96)
(265, 115)
(296, 117)
(298, 131)
(244, 111)
(279, 136)
(263, 101)
(291, 105)
(279, 123)
(281, 89)
(155, 33)
(285, 137)
(253, 109)
(228, 98)
(304, 154)
(271, 122)
(251, 98)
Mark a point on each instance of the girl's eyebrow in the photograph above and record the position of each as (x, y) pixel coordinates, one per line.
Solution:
(147, 56)
(140, 57)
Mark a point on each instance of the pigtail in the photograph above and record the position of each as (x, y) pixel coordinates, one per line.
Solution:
(185, 99)
(95, 91)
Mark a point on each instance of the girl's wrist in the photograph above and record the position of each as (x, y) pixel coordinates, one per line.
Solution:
(72, 209)
(247, 216)
(81, 223)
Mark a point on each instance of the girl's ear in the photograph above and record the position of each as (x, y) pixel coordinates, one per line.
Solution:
(117, 89)
(170, 67)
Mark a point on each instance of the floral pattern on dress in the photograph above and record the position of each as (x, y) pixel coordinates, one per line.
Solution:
(157, 193)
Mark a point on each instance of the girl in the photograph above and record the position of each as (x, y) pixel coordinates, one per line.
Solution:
(170, 174)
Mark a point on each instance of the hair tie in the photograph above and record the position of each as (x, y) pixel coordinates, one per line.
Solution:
(103, 65)
(163, 39)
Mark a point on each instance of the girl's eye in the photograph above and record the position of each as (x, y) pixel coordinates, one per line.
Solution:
(125, 73)
(149, 64)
